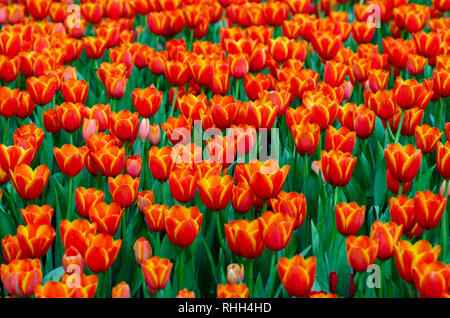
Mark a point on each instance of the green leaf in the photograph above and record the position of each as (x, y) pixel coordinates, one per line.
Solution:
(54, 275)
(6, 224)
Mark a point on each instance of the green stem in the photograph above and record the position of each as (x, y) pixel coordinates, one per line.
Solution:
(399, 129)
(250, 278)
(400, 190)
(264, 209)
(444, 226)
(158, 243)
(5, 131)
(305, 172)
(69, 200)
(219, 231)
(124, 223)
(163, 197)
(380, 290)
(172, 110)
(181, 269)
(236, 90)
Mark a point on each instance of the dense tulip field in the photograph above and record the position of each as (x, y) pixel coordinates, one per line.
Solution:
(224, 148)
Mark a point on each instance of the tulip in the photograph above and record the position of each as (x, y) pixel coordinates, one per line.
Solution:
(176, 72)
(147, 101)
(334, 73)
(125, 126)
(267, 178)
(245, 238)
(51, 121)
(361, 252)
(401, 210)
(53, 289)
(84, 286)
(160, 162)
(235, 274)
(428, 209)
(232, 291)
(441, 82)
(11, 249)
(144, 199)
(239, 65)
(183, 184)
(35, 240)
(242, 197)
(337, 167)
(12, 156)
(427, 138)
(408, 256)
(86, 198)
(184, 293)
(106, 216)
(349, 217)
(10, 101)
(70, 159)
(297, 274)
(110, 160)
(29, 183)
(142, 250)
(38, 215)
(178, 130)
(387, 236)
(432, 280)
(182, 225)
(69, 116)
(407, 93)
(154, 216)
(72, 261)
(133, 166)
(341, 139)
(276, 229)
(9, 68)
(403, 162)
(364, 122)
(20, 277)
(101, 251)
(123, 189)
(75, 91)
(73, 234)
(306, 138)
(215, 191)
(122, 290)
(326, 44)
(442, 162)
(156, 273)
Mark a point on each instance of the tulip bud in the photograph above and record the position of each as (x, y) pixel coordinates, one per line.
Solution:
(235, 273)
(144, 129)
(90, 127)
(72, 261)
(133, 166)
(441, 189)
(332, 282)
(154, 135)
(142, 250)
(122, 290)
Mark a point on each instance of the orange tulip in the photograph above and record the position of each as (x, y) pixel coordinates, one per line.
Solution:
(184, 293)
(407, 93)
(125, 126)
(35, 240)
(267, 179)
(156, 273)
(297, 274)
(29, 183)
(242, 197)
(160, 162)
(401, 210)
(42, 89)
(154, 216)
(408, 256)
(361, 252)
(12, 156)
(11, 249)
(245, 238)
(133, 166)
(182, 224)
(73, 234)
(75, 91)
(442, 159)
(101, 251)
(109, 160)
(142, 250)
(341, 139)
(349, 217)
(69, 116)
(232, 291)
(122, 290)
(70, 159)
(432, 280)
(306, 138)
(427, 138)
(428, 209)
(124, 189)
(20, 277)
(72, 261)
(144, 199)
(215, 191)
(38, 215)
(176, 72)
(86, 198)
(387, 236)
(337, 167)
(84, 286)
(403, 162)
(106, 216)
(147, 101)
(326, 44)
(276, 229)
(53, 289)
(183, 183)
(10, 101)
